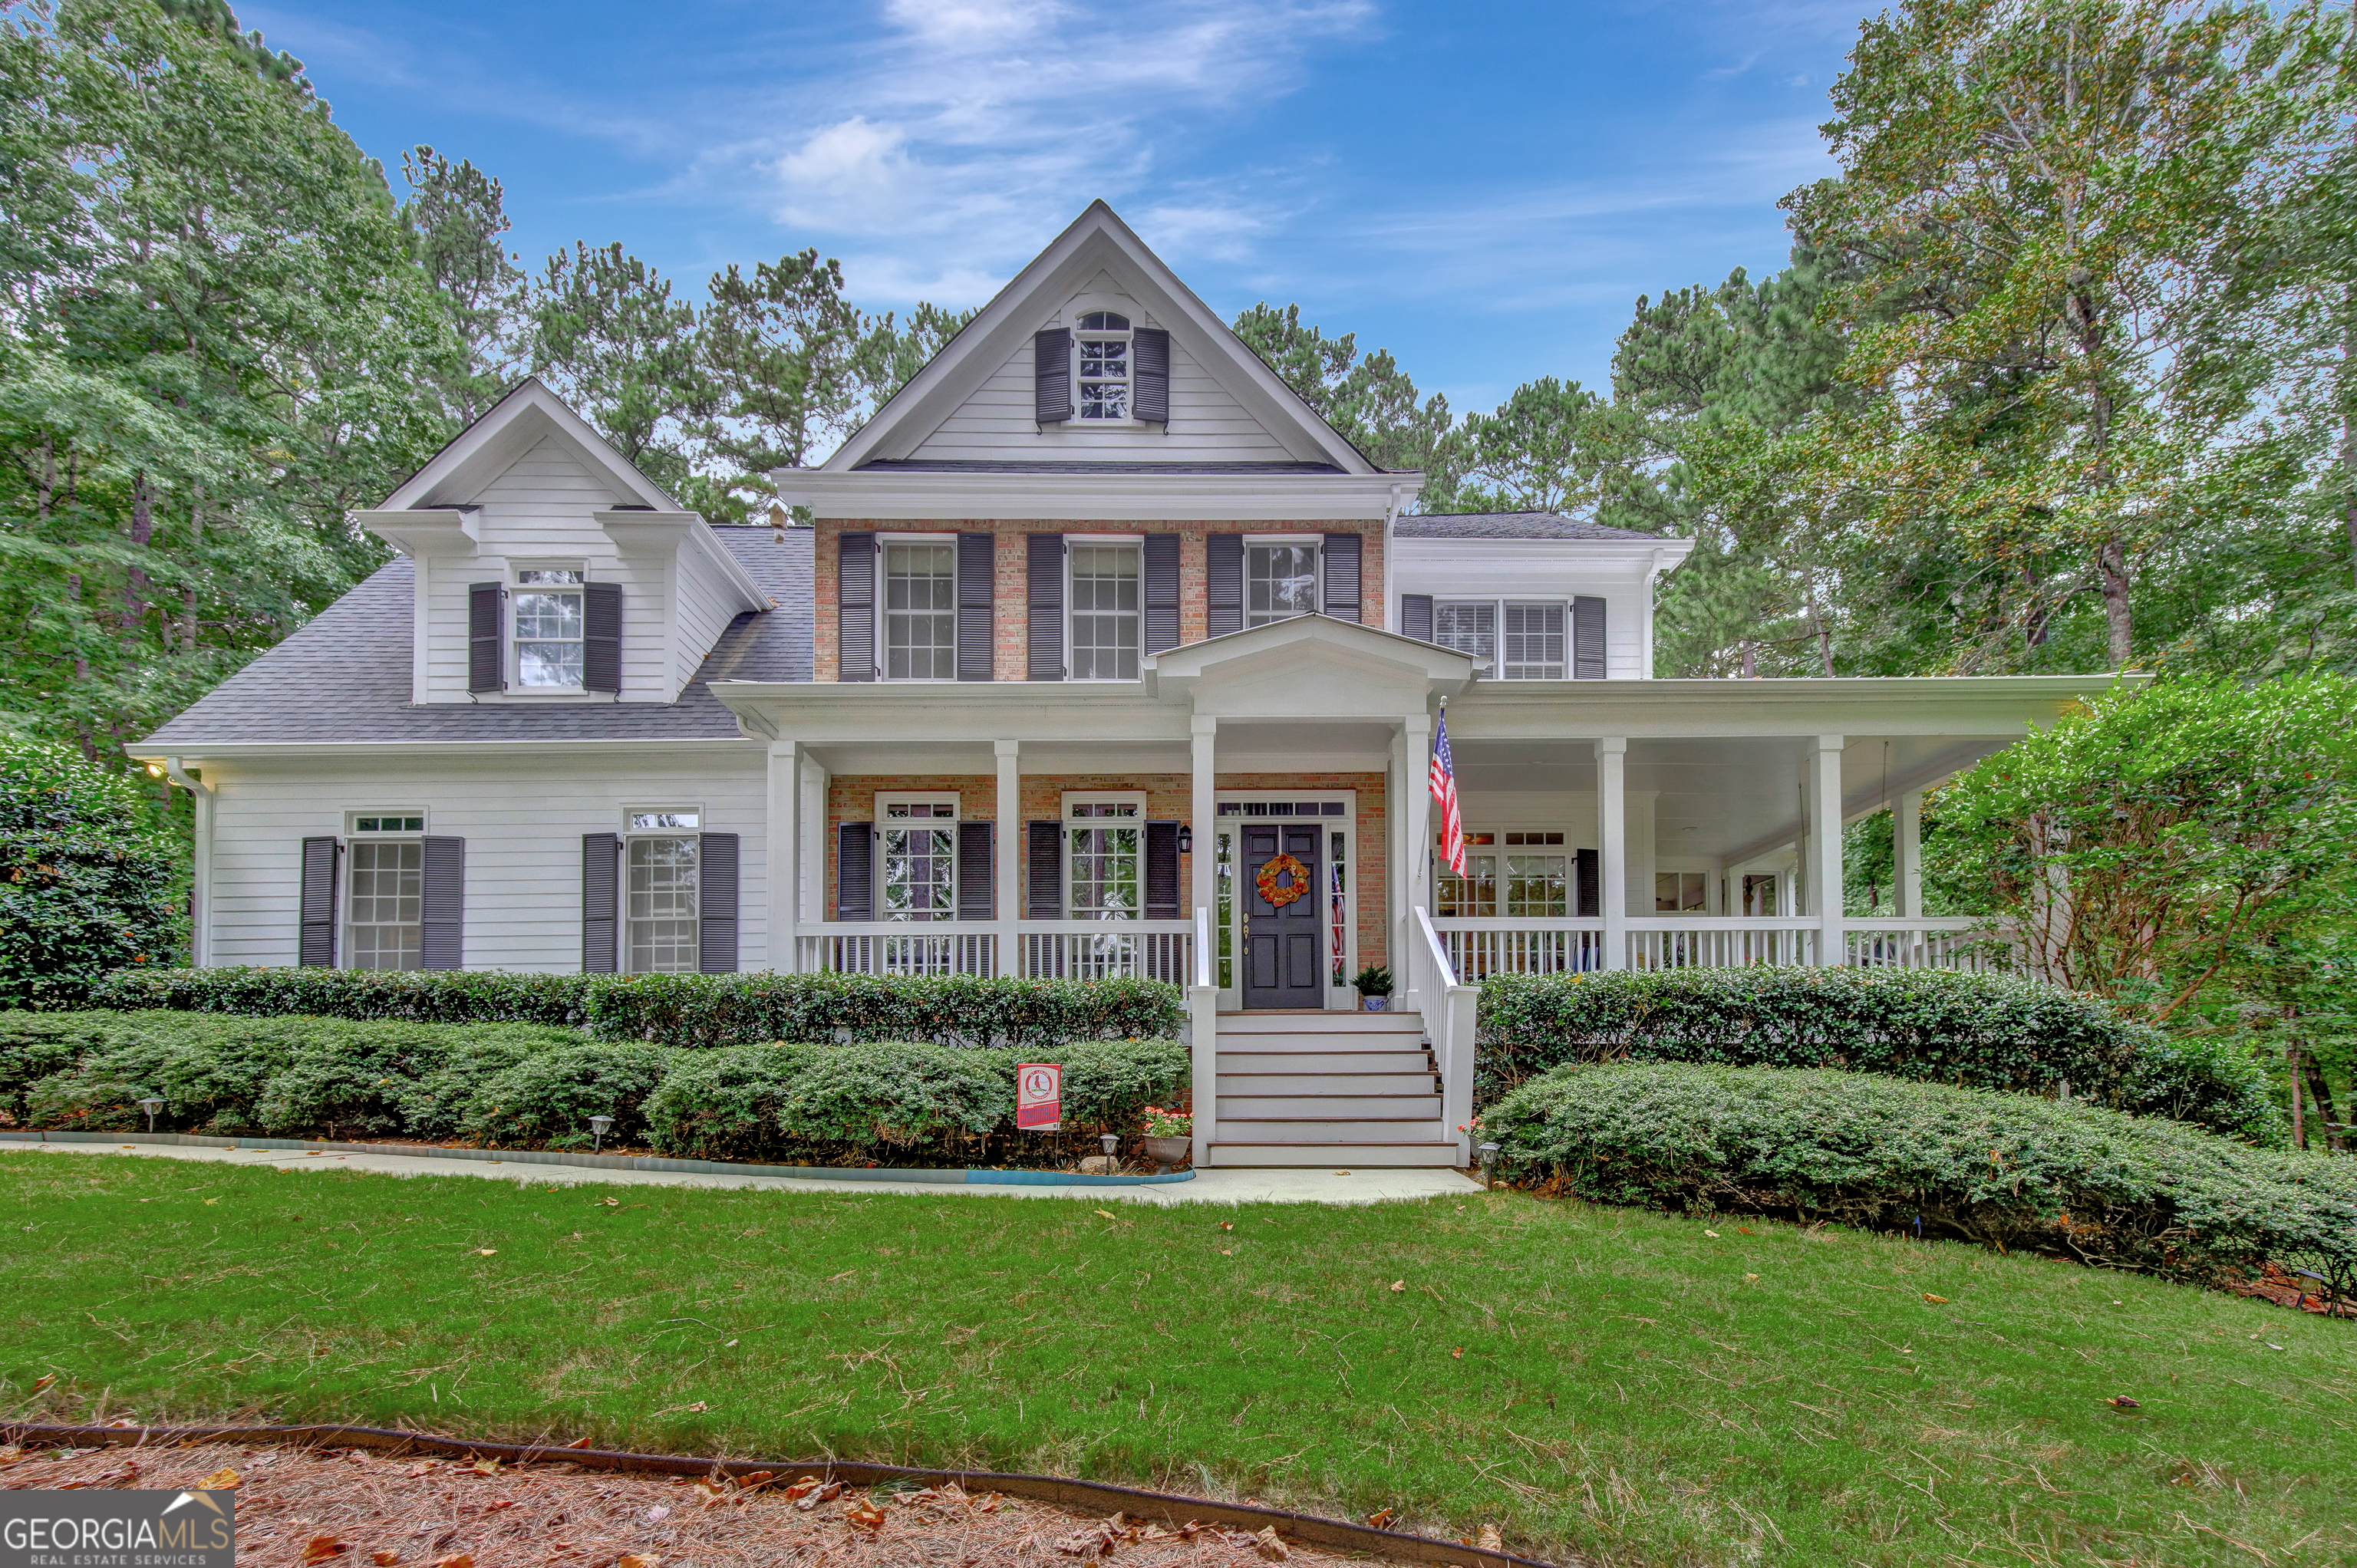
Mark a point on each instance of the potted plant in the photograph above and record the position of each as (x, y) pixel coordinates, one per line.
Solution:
(1169, 1137)
(1375, 987)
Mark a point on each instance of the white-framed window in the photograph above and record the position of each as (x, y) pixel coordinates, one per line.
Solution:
(663, 865)
(1280, 581)
(385, 888)
(920, 610)
(1680, 892)
(920, 845)
(1105, 856)
(1105, 596)
(1534, 642)
(1473, 896)
(1537, 875)
(1102, 368)
(1468, 626)
(546, 604)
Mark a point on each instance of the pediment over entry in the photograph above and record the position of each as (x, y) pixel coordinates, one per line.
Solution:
(1310, 668)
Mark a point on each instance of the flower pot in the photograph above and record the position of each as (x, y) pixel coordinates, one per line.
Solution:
(1373, 1004)
(1167, 1152)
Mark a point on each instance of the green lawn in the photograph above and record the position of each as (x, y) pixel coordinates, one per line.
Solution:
(1619, 1383)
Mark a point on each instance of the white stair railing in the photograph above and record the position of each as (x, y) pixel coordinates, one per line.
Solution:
(1451, 1014)
(1203, 1040)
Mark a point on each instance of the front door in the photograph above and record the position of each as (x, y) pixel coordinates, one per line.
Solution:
(1284, 943)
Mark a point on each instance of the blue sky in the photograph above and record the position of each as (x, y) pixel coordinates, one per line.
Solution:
(1482, 188)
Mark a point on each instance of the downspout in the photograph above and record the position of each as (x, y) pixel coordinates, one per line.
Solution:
(201, 879)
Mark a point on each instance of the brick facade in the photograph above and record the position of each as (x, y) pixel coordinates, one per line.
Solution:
(1010, 615)
(1169, 797)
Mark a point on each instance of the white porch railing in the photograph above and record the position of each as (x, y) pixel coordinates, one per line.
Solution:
(1478, 947)
(1041, 950)
(1438, 989)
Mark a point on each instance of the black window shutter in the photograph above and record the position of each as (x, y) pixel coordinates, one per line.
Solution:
(716, 903)
(486, 652)
(1149, 350)
(1047, 871)
(1046, 565)
(442, 905)
(1587, 870)
(1224, 584)
(1341, 553)
(1415, 617)
(602, 855)
(319, 941)
(974, 899)
(1161, 871)
(974, 639)
(1051, 371)
(1587, 640)
(601, 637)
(1161, 592)
(855, 607)
(854, 871)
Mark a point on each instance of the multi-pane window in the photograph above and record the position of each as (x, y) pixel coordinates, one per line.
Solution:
(1104, 599)
(1678, 891)
(387, 897)
(1475, 893)
(1534, 642)
(548, 627)
(1537, 875)
(1467, 626)
(1280, 582)
(1104, 845)
(662, 866)
(1104, 366)
(919, 612)
(920, 860)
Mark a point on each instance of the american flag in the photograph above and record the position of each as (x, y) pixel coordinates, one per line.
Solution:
(1444, 795)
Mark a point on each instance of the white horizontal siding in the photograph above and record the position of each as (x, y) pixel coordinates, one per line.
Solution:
(706, 604)
(1206, 423)
(522, 816)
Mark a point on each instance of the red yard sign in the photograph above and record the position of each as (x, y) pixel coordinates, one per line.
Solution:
(1039, 1096)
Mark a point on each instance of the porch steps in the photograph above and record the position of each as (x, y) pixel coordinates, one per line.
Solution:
(1349, 1090)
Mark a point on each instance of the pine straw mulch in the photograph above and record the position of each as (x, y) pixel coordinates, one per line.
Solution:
(346, 1507)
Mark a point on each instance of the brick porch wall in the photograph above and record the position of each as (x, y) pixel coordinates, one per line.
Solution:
(1010, 615)
(1169, 797)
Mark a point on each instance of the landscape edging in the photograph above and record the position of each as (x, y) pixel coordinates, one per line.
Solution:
(969, 1176)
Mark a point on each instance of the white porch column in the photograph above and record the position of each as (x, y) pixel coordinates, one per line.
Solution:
(1823, 869)
(810, 896)
(1012, 851)
(1203, 1001)
(1907, 852)
(784, 840)
(1203, 884)
(1414, 878)
(1612, 847)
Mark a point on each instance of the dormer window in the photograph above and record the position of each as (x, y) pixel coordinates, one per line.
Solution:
(1104, 366)
(548, 629)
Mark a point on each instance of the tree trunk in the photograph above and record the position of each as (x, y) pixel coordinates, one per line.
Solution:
(134, 581)
(2112, 571)
(188, 593)
(1751, 662)
(2319, 1094)
(2298, 1125)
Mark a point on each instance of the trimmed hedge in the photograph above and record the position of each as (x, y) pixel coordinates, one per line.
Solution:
(2005, 1170)
(520, 1085)
(680, 1009)
(1977, 1031)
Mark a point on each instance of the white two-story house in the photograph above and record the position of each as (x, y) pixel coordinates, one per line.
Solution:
(1105, 655)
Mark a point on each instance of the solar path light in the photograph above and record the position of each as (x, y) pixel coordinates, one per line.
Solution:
(598, 1127)
(154, 1106)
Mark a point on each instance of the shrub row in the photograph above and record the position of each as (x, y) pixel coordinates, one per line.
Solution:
(1973, 1031)
(2005, 1170)
(680, 1009)
(512, 1085)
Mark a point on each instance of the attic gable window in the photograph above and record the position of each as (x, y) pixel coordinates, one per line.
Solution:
(548, 629)
(1104, 366)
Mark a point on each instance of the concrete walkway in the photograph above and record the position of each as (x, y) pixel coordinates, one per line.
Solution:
(1209, 1186)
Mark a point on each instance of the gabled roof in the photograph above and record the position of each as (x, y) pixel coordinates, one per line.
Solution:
(527, 415)
(1508, 525)
(1097, 241)
(345, 676)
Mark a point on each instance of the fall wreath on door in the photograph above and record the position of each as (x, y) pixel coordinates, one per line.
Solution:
(1276, 894)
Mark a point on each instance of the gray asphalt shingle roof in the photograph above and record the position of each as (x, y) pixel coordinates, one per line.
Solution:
(345, 675)
(1505, 525)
